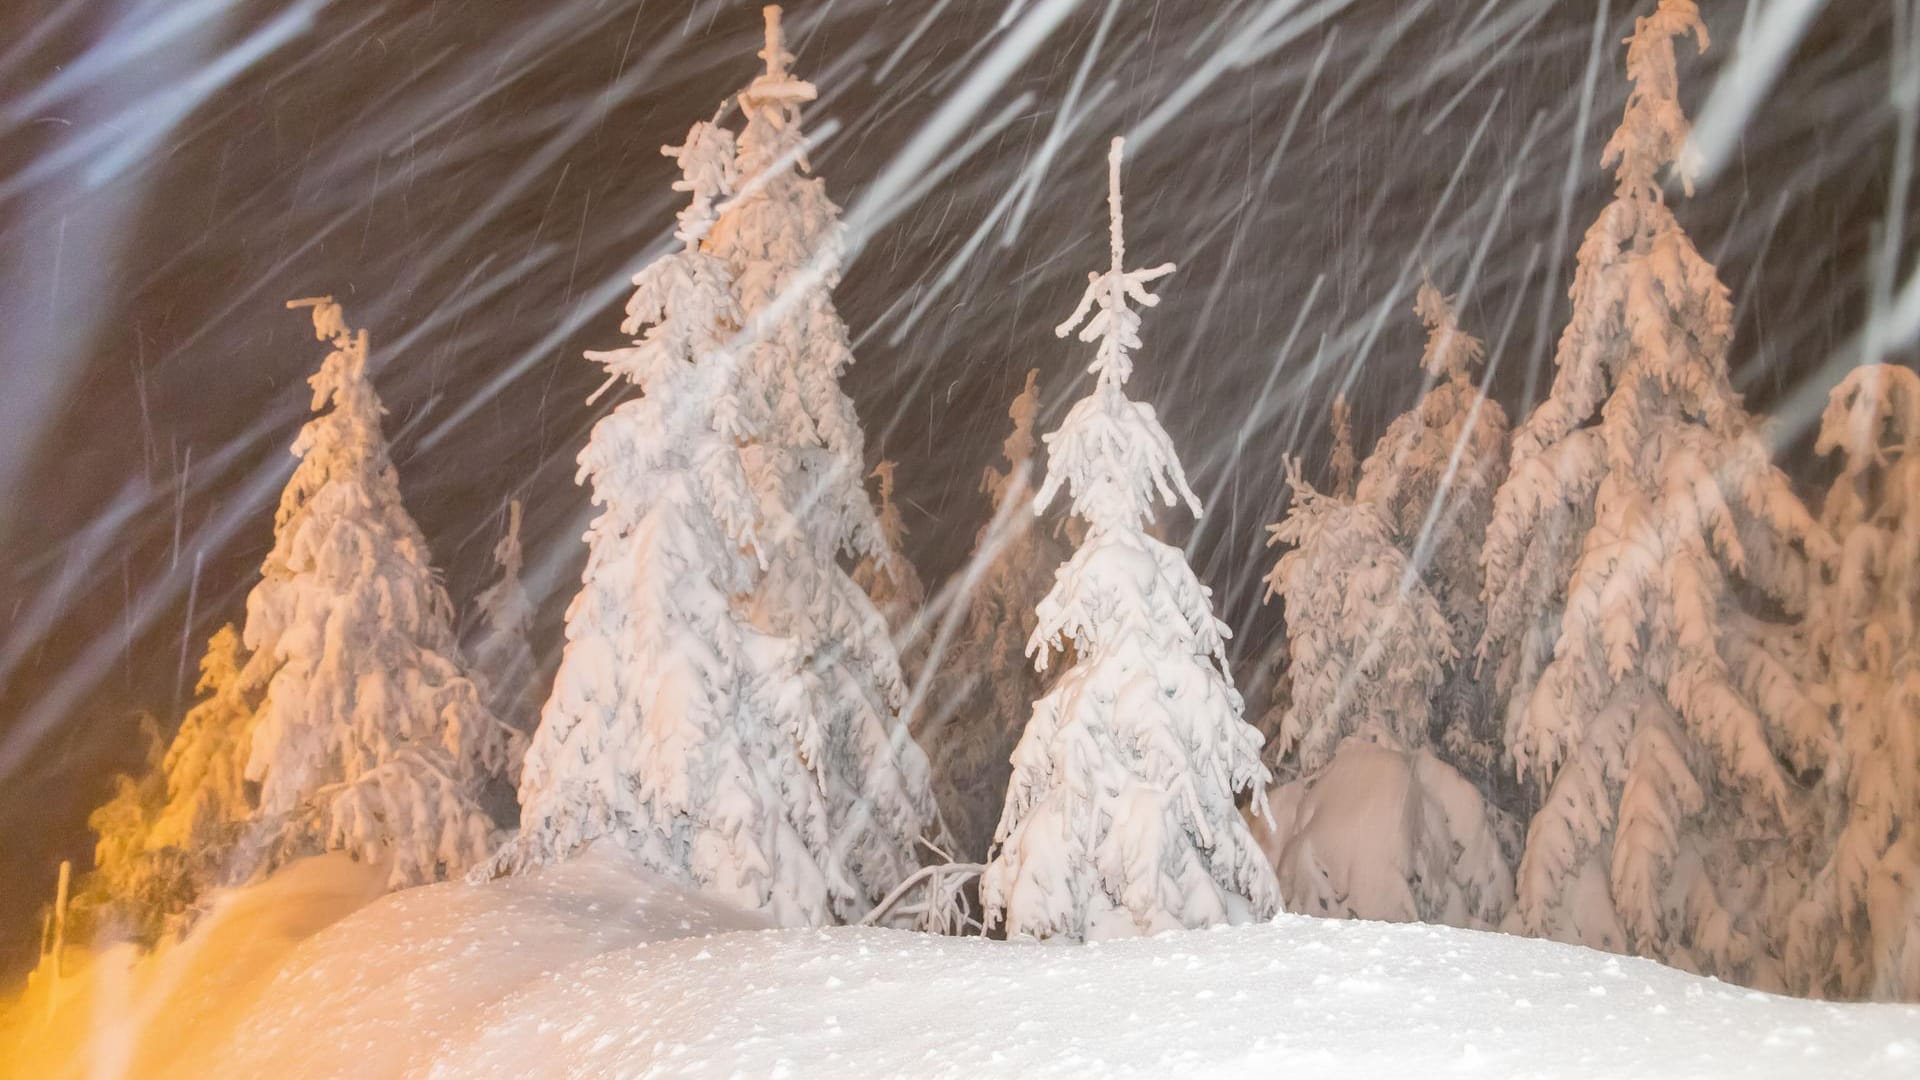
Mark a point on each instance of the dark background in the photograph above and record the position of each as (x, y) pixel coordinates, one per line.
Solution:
(476, 180)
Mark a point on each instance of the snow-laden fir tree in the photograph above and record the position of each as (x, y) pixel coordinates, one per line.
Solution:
(1857, 934)
(370, 737)
(1368, 822)
(888, 579)
(1650, 693)
(662, 735)
(841, 687)
(988, 686)
(1119, 818)
(501, 655)
(1432, 476)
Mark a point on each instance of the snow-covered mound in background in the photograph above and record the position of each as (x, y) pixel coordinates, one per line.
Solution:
(594, 968)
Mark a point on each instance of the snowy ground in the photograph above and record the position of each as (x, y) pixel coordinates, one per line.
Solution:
(595, 970)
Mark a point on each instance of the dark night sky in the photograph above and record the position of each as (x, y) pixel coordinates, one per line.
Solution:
(475, 180)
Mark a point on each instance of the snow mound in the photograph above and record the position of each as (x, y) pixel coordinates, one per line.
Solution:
(597, 968)
(403, 984)
(1297, 997)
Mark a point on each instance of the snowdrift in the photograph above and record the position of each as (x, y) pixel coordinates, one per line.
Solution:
(594, 968)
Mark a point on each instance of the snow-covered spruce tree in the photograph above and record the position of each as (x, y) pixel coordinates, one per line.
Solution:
(840, 687)
(1368, 822)
(888, 579)
(1432, 476)
(1642, 557)
(662, 735)
(501, 655)
(1119, 817)
(1857, 934)
(370, 738)
(988, 684)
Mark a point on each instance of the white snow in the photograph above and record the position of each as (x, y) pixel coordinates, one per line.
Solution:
(595, 968)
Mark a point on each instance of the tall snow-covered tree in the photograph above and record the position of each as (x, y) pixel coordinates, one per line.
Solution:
(663, 735)
(501, 655)
(989, 686)
(841, 685)
(370, 738)
(1432, 476)
(1657, 702)
(1119, 818)
(1857, 934)
(1368, 822)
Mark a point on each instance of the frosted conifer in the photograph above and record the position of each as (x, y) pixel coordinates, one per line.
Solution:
(989, 685)
(502, 654)
(1659, 712)
(661, 735)
(840, 689)
(1119, 818)
(1432, 476)
(1858, 932)
(370, 738)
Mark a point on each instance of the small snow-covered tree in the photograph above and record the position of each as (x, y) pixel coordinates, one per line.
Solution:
(370, 738)
(841, 686)
(988, 684)
(1857, 933)
(1368, 822)
(888, 579)
(662, 735)
(502, 655)
(1367, 644)
(1119, 818)
(1641, 554)
(1432, 476)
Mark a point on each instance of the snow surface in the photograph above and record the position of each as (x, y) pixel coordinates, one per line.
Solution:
(596, 968)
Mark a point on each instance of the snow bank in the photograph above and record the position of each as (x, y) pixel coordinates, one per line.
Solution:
(1298, 997)
(412, 979)
(595, 968)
